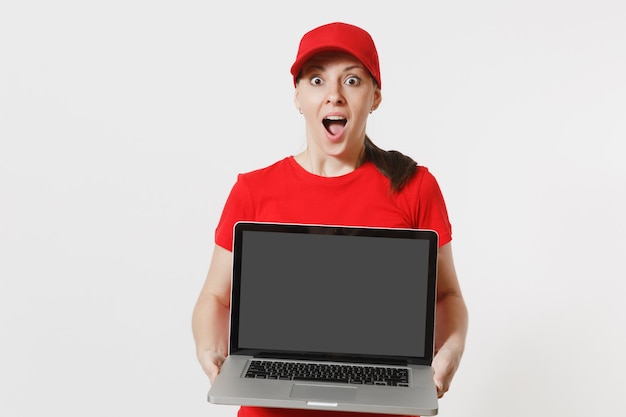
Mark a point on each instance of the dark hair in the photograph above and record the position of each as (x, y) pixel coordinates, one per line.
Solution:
(394, 165)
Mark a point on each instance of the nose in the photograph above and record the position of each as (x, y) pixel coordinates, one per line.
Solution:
(335, 95)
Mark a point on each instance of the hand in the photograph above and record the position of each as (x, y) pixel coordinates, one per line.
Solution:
(445, 364)
(211, 362)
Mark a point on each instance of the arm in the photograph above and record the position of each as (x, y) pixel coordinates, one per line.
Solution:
(211, 314)
(451, 322)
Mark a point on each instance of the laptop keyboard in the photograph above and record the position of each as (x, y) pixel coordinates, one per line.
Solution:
(348, 374)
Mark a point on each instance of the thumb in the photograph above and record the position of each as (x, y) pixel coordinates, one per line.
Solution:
(440, 387)
(212, 363)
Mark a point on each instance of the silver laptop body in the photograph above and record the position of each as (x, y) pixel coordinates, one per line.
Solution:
(331, 318)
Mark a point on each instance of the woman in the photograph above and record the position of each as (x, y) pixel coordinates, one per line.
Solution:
(341, 178)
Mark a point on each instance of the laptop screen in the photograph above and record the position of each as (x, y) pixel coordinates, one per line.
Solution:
(339, 292)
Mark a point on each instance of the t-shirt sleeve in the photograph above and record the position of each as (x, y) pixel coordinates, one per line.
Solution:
(432, 212)
(238, 207)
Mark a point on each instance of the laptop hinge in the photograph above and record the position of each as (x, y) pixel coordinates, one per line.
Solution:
(331, 358)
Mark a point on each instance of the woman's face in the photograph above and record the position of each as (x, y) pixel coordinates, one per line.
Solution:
(336, 93)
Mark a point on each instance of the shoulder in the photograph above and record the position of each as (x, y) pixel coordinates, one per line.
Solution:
(422, 181)
(268, 175)
(423, 190)
(278, 168)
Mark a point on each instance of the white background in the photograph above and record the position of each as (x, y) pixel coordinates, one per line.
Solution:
(123, 125)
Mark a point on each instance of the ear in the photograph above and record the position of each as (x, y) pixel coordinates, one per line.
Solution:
(296, 101)
(378, 98)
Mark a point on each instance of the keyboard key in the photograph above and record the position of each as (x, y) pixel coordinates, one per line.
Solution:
(347, 374)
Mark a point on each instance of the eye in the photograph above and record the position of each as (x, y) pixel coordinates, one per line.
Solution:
(316, 80)
(353, 81)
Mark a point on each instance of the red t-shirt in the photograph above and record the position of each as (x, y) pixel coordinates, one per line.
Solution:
(287, 193)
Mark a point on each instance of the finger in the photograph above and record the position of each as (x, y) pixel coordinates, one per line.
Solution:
(439, 386)
(212, 371)
(211, 363)
(212, 375)
(442, 387)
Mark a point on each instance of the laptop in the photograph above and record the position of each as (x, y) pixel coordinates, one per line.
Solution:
(331, 318)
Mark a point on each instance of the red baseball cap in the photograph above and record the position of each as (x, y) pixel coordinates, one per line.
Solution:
(338, 37)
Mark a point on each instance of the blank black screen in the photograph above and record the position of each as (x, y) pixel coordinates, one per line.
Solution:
(334, 294)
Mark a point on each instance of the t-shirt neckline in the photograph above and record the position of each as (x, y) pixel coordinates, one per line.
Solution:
(304, 174)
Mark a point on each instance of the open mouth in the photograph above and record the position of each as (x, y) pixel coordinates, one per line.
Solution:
(334, 124)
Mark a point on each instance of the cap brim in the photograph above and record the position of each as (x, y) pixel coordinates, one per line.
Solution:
(297, 66)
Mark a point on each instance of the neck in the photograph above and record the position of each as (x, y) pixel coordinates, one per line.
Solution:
(327, 165)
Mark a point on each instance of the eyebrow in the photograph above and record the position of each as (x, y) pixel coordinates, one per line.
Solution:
(320, 67)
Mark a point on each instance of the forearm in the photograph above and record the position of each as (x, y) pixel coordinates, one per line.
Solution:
(211, 314)
(450, 337)
(210, 325)
(451, 323)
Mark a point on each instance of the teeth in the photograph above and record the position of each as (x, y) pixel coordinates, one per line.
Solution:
(335, 118)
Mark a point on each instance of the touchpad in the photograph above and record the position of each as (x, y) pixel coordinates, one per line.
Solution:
(323, 392)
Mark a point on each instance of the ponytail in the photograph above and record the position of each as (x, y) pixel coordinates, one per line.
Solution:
(394, 165)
